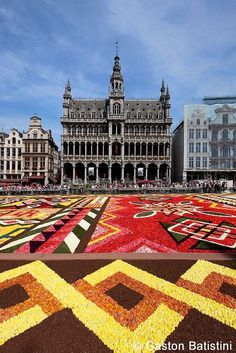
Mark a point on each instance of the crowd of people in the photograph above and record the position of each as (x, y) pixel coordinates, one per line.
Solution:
(140, 186)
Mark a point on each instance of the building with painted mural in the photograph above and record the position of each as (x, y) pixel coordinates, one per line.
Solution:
(209, 142)
(115, 138)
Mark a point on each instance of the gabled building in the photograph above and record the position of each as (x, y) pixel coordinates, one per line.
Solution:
(115, 138)
(10, 156)
(207, 137)
(39, 154)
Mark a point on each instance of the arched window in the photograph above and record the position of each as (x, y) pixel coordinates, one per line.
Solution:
(90, 129)
(198, 121)
(116, 108)
(225, 134)
(118, 129)
(214, 135)
(142, 130)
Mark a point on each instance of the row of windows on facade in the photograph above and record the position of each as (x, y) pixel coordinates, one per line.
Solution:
(225, 151)
(200, 162)
(202, 133)
(116, 111)
(13, 165)
(203, 163)
(198, 133)
(199, 147)
(225, 120)
(10, 176)
(36, 163)
(100, 149)
(116, 130)
(224, 135)
(14, 152)
(13, 141)
(36, 147)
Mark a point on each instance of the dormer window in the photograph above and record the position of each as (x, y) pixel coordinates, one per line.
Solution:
(225, 119)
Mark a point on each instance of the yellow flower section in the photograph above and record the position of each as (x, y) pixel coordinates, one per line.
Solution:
(201, 269)
(205, 305)
(14, 230)
(21, 323)
(121, 339)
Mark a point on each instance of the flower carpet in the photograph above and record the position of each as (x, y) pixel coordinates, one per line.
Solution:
(129, 223)
(120, 306)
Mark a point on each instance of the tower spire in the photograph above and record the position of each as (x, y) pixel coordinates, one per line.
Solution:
(116, 80)
(117, 47)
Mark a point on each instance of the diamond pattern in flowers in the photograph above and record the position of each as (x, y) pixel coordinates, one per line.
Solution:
(158, 309)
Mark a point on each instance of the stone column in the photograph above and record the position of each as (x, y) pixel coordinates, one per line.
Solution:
(109, 173)
(158, 172)
(85, 173)
(122, 172)
(122, 151)
(73, 178)
(146, 172)
(135, 173)
(96, 173)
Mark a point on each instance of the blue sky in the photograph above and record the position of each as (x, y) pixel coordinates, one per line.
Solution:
(188, 43)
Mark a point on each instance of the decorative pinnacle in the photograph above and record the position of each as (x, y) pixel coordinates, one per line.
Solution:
(117, 47)
(162, 86)
(167, 91)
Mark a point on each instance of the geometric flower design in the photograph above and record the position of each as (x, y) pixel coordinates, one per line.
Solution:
(161, 307)
(131, 223)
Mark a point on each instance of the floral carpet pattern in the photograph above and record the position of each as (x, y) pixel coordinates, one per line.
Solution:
(130, 223)
(119, 304)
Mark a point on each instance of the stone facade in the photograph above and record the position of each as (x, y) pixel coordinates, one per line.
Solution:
(10, 156)
(115, 138)
(209, 141)
(39, 154)
(223, 143)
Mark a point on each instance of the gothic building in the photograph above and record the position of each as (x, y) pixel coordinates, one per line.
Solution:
(115, 138)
